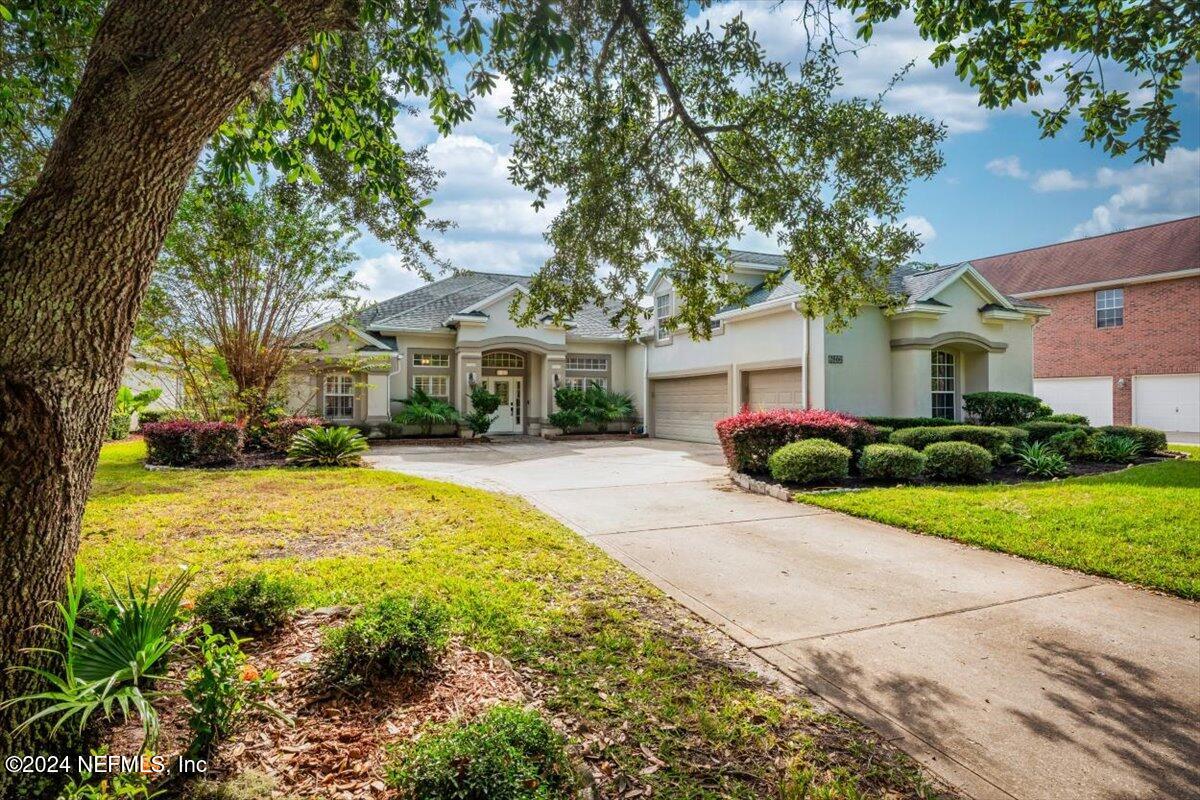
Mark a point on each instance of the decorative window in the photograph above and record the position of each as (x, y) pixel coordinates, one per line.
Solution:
(586, 383)
(436, 386)
(339, 396)
(431, 359)
(587, 363)
(504, 360)
(662, 310)
(943, 384)
(1110, 308)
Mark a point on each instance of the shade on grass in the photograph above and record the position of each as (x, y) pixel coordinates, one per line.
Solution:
(1140, 525)
(613, 652)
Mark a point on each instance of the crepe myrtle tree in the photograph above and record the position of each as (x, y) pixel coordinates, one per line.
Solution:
(665, 139)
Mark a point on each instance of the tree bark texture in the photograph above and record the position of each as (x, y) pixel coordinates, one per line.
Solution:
(76, 258)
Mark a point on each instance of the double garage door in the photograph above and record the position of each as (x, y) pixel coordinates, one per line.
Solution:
(1167, 402)
(689, 408)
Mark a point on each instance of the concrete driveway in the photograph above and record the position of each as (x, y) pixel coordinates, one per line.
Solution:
(1008, 678)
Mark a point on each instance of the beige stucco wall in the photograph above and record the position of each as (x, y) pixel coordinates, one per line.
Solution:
(861, 384)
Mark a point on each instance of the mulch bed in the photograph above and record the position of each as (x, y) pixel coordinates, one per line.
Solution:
(336, 746)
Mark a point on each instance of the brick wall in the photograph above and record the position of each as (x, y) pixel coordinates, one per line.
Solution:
(1161, 335)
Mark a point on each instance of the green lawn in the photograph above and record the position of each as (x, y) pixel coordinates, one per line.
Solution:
(1140, 525)
(613, 652)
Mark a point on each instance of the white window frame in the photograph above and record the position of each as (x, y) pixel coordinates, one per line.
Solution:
(427, 360)
(580, 382)
(430, 382)
(1110, 308)
(587, 363)
(661, 331)
(343, 388)
(503, 360)
(937, 390)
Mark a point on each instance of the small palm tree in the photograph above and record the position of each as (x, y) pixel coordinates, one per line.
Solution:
(425, 412)
(327, 447)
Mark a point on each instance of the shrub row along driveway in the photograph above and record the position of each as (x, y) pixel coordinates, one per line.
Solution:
(1011, 679)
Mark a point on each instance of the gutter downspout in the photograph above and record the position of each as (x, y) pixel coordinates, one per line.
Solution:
(645, 387)
(804, 369)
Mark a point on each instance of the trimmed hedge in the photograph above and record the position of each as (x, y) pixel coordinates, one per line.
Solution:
(1151, 440)
(993, 439)
(1003, 408)
(1072, 419)
(891, 462)
(750, 438)
(957, 461)
(1042, 430)
(810, 461)
(185, 444)
(899, 423)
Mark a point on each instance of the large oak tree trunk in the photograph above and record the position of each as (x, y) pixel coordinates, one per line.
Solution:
(77, 255)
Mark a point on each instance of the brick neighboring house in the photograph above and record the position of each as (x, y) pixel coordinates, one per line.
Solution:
(1122, 343)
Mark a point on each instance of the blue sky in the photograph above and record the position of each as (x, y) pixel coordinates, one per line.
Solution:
(1002, 188)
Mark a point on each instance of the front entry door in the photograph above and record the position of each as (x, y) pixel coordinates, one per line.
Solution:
(508, 415)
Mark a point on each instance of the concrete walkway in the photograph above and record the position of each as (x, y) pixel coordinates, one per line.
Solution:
(1008, 678)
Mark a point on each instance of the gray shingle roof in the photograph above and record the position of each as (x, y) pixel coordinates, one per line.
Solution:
(427, 307)
(751, 257)
(909, 280)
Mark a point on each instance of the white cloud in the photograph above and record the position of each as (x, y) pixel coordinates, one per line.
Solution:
(386, 276)
(1058, 180)
(920, 226)
(1007, 167)
(1146, 194)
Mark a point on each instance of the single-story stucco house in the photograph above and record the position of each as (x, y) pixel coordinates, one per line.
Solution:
(955, 333)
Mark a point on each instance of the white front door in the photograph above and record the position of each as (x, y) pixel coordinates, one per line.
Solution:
(508, 415)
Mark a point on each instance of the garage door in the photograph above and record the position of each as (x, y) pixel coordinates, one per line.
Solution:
(688, 408)
(1091, 397)
(1167, 402)
(774, 388)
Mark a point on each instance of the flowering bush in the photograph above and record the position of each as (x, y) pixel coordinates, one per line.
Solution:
(750, 437)
(183, 443)
(279, 433)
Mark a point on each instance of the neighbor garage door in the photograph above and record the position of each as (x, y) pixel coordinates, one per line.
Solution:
(1091, 397)
(774, 388)
(1167, 402)
(688, 408)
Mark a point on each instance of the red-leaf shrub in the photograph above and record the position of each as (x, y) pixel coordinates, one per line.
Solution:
(750, 437)
(280, 432)
(184, 443)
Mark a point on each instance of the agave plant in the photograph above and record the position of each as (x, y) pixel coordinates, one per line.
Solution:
(425, 412)
(115, 666)
(1116, 449)
(1041, 461)
(327, 447)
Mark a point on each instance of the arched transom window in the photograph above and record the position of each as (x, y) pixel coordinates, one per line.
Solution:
(503, 360)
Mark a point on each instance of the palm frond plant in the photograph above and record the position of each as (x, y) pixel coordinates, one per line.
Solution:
(115, 667)
(425, 412)
(600, 407)
(327, 447)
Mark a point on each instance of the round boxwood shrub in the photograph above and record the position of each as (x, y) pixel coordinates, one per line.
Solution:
(893, 462)
(809, 461)
(994, 439)
(394, 635)
(509, 753)
(957, 461)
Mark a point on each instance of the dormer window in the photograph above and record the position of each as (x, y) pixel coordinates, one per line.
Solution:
(662, 312)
